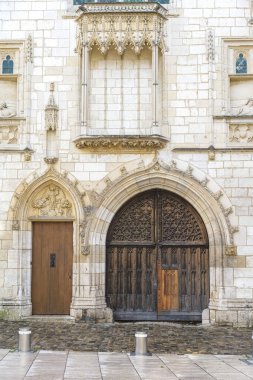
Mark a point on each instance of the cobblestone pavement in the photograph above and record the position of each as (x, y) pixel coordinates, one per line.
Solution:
(119, 337)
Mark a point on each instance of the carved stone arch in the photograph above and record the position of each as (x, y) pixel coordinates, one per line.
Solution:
(30, 188)
(179, 178)
(47, 196)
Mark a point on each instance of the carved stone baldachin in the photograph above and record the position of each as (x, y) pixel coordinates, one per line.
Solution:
(51, 202)
(121, 25)
(122, 143)
(51, 112)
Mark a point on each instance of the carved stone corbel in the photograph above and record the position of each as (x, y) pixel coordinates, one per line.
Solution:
(230, 250)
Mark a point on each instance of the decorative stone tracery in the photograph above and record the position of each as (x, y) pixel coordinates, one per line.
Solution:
(121, 25)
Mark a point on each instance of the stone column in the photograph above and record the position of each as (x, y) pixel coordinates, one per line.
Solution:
(155, 128)
(84, 89)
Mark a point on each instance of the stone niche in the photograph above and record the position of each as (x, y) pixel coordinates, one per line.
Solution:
(121, 50)
(11, 92)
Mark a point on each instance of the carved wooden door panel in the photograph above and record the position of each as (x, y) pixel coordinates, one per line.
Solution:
(52, 267)
(157, 259)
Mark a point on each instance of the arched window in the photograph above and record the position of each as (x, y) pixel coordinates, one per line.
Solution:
(7, 65)
(241, 64)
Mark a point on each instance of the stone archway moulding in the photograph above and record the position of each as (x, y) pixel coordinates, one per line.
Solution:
(175, 176)
(27, 188)
(34, 200)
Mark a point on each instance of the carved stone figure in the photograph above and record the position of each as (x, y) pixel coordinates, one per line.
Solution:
(52, 202)
(7, 65)
(241, 65)
(7, 110)
(245, 110)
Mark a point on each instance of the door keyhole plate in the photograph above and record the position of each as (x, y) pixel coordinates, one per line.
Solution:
(52, 260)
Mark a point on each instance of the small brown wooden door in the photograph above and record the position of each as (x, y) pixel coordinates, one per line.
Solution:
(52, 267)
(157, 260)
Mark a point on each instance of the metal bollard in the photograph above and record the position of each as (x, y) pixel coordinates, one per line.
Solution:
(24, 339)
(140, 343)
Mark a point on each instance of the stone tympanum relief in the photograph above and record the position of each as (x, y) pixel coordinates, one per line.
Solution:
(51, 202)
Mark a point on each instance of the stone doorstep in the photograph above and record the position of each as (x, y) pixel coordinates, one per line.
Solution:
(50, 318)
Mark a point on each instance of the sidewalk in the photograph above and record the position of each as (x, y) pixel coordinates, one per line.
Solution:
(70, 365)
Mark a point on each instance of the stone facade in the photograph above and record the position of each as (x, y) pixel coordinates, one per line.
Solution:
(99, 116)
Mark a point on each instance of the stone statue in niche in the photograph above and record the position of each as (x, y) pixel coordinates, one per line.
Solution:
(52, 202)
(241, 65)
(7, 65)
(7, 109)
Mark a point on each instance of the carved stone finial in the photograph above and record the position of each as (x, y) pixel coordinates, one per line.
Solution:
(210, 50)
(51, 111)
(29, 49)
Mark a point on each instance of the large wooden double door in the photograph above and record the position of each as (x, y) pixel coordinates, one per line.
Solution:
(52, 267)
(157, 260)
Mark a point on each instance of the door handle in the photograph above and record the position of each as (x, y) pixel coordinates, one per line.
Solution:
(70, 276)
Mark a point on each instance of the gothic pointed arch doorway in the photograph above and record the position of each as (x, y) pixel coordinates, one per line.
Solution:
(157, 260)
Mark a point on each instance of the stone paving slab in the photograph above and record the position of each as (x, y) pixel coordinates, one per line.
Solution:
(68, 365)
(119, 337)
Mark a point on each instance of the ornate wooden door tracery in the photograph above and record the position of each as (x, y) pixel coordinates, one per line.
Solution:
(157, 260)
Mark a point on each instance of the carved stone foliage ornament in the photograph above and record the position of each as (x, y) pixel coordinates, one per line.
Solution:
(230, 250)
(51, 111)
(127, 143)
(51, 202)
(9, 134)
(241, 133)
(29, 49)
(121, 25)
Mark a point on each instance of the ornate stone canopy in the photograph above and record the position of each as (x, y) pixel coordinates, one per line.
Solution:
(121, 25)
